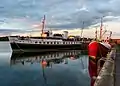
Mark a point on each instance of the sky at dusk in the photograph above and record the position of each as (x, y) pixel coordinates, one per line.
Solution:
(24, 16)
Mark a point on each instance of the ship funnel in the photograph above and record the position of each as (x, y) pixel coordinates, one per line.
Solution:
(65, 34)
(50, 33)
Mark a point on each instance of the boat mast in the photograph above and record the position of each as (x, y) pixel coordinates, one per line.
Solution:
(43, 25)
(82, 29)
(110, 34)
(101, 26)
(96, 33)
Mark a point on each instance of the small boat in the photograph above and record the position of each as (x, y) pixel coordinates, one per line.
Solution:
(99, 47)
(97, 50)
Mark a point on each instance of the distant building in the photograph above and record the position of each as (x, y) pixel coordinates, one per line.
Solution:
(115, 41)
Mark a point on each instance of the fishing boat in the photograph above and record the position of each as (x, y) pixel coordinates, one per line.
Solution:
(48, 41)
(97, 52)
(99, 47)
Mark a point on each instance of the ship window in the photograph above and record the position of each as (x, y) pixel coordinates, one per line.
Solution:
(43, 42)
(36, 42)
(54, 42)
(47, 42)
(40, 42)
(51, 42)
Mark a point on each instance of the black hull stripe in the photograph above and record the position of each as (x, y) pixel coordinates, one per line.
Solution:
(39, 47)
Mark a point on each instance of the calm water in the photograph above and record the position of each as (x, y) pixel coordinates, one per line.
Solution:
(68, 68)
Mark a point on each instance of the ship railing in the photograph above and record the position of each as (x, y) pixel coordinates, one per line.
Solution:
(47, 42)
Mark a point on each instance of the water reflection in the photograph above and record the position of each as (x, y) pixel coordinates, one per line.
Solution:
(46, 59)
(64, 68)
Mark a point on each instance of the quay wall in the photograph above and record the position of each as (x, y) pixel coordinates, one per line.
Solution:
(106, 75)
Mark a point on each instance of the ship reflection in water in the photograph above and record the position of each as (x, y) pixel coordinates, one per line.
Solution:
(65, 68)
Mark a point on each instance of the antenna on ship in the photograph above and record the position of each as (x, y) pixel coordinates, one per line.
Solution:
(96, 33)
(110, 35)
(101, 28)
(82, 29)
(43, 25)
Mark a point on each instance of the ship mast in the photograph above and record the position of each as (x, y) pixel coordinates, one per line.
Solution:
(101, 26)
(82, 29)
(43, 25)
(96, 33)
(110, 34)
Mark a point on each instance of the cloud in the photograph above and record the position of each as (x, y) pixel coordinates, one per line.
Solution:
(60, 14)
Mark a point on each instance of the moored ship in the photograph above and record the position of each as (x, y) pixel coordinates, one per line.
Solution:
(48, 41)
(97, 52)
(36, 44)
